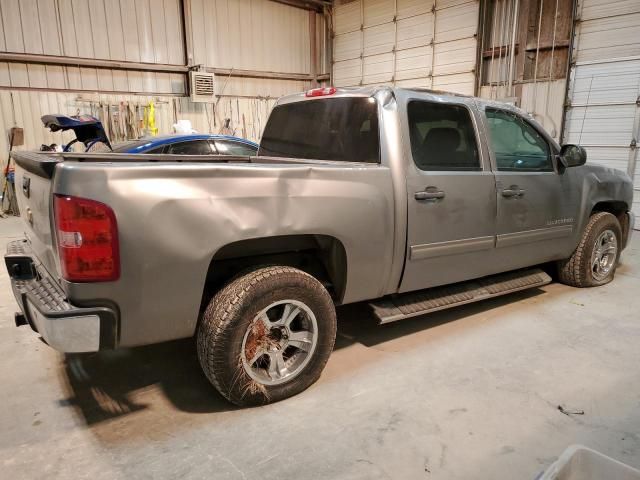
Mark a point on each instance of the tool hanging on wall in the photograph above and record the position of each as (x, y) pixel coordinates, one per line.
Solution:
(244, 127)
(131, 125)
(16, 138)
(126, 120)
(150, 120)
(122, 118)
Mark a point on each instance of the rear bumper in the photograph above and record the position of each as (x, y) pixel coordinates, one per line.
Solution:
(63, 326)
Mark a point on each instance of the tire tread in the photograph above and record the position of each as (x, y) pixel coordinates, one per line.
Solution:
(215, 329)
(573, 271)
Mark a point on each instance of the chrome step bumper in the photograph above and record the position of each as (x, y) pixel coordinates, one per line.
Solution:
(63, 326)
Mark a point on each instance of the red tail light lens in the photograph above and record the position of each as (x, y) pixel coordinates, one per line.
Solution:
(320, 92)
(87, 239)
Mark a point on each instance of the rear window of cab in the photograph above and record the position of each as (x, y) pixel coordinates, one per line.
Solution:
(338, 129)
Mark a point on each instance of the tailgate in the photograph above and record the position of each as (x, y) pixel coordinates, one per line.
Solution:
(34, 173)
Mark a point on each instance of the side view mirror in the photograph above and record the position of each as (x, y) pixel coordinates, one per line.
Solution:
(572, 155)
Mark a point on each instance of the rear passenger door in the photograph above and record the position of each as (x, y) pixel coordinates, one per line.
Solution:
(451, 196)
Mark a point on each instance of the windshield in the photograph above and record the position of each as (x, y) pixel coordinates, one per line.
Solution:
(341, 129)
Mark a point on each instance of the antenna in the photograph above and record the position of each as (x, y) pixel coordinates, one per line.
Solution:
(585, 110)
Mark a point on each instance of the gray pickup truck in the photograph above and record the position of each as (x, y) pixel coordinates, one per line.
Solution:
(409, 199)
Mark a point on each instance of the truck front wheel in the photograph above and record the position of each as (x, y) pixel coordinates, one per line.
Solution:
(594, 261)
(267, 335)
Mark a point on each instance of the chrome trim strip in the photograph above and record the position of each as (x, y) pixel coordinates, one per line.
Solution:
(466, 245)
(527, 236)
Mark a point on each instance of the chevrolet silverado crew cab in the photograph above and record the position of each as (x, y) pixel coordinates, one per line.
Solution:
(408, 199)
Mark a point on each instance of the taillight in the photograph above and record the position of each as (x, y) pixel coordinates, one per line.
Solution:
(87, 239)
(320, 92)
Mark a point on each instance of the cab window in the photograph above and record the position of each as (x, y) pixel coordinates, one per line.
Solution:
(337, 129)
(442, 137)
(517, 145)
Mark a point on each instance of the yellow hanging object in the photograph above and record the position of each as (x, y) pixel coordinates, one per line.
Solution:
(150, 119)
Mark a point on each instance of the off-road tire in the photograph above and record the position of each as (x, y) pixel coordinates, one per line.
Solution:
(231, 311)
(576, 270)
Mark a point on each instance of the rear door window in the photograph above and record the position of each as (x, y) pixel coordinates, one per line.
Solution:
(193, 147)
(442, 137)
(157, 150)
(339, 129)
(229, 147)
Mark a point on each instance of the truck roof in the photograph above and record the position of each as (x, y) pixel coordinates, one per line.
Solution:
(429, 94)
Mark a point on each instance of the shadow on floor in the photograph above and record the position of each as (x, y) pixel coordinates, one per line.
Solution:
(356, 323)
(101, 385)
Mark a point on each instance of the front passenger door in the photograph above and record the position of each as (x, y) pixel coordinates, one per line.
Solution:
(536, 204)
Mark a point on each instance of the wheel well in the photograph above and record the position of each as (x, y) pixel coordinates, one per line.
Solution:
(617, 208)
(322, 256)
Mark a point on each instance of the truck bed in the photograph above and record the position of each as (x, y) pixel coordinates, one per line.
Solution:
(175, 213)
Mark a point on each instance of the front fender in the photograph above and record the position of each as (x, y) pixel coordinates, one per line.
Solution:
(601, 186)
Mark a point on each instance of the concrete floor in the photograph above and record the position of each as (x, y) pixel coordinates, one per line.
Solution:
(467, 393)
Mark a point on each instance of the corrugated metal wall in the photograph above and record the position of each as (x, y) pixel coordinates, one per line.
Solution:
(255, 35)
(139, 31)
(543, 99)
(524, 56)
(250, 35)
(134, 31)
(604, 88)
(246, 35)
(24, 108)
(425, 43)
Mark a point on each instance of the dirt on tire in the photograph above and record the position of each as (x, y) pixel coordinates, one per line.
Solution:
(230, 313)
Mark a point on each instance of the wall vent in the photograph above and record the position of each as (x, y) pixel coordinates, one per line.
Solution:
(201, 86)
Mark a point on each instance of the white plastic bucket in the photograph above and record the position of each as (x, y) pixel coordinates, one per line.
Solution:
(581, 463)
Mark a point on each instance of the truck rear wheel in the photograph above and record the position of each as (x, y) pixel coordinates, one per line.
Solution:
(595, 260)
(267, 335)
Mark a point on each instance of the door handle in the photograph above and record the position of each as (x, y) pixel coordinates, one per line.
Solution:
(429, 195)
(513, 191)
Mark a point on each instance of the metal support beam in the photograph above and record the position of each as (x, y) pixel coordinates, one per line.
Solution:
(522, 36)
(144, 67)
(305, 77)
(187, 31)
(313, 50)
(80, 90)
(315, 5)
(90, 62)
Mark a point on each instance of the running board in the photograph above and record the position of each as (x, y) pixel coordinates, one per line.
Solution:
(412, 304)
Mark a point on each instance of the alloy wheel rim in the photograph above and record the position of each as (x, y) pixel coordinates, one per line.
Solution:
(279, 342)
(605, 253)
